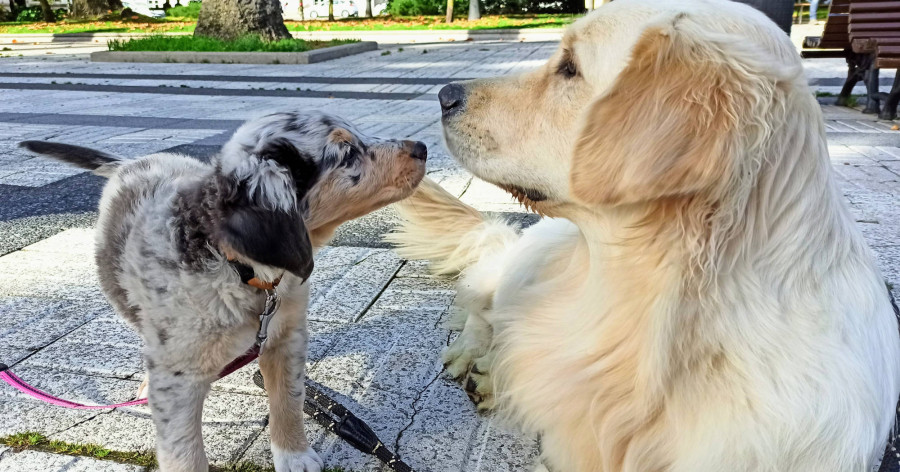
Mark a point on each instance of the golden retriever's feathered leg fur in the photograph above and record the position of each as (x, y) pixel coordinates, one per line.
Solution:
(458, 240)
(438, 227)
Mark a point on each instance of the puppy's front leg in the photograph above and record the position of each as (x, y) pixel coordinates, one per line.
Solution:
(283, 365)
(176, 401)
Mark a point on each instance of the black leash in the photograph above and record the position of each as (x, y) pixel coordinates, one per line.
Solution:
(344, 424)
(890, 461)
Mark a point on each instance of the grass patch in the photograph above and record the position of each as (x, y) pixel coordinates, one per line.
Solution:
(201, 44)
(186, 24)
(852, 100)
(191, 10)
(38, 442)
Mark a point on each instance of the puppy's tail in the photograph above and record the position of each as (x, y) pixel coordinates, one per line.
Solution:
(98, 162)
(438, 227)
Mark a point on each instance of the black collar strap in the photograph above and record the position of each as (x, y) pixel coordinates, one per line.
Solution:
(249, 277)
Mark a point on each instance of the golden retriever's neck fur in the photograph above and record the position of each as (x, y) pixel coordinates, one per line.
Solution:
(685, 250)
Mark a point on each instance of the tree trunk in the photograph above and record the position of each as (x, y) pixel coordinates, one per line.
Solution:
(474, 10)
(780, 11)
(231, 19)
(449, 11)
(369, 8)
(90, 8)
(47, 12)
(330, 10)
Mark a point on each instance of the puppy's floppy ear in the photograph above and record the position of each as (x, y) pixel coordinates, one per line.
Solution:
(272, 237)
(668, 126)
(255, 227)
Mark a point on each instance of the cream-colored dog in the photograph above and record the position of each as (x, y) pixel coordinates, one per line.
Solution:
(701, 299)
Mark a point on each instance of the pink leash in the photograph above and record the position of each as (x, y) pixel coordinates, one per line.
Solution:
(27, 389)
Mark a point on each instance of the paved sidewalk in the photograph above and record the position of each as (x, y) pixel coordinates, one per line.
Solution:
(377, 322)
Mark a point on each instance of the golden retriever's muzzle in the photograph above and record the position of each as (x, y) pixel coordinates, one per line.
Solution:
(452, 98)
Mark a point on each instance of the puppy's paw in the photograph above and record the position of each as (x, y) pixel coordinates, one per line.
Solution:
(459, 357)
(478, 384)
(143, 388)
(302, 461)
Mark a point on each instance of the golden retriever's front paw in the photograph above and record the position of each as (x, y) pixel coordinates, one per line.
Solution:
(479, 386)
(540, 467)
(461, 355)
(299, 461)
(456, 362)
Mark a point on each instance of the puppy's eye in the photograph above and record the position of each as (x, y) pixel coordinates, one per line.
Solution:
(567, 68)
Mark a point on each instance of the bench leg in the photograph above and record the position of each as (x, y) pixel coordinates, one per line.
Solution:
(872, 97)
(889, 110)
(855, 69)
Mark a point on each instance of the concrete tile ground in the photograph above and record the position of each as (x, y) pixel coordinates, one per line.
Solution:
(377, 322)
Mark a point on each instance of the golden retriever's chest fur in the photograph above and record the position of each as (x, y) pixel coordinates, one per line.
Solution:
(621, 369)
(590, 371)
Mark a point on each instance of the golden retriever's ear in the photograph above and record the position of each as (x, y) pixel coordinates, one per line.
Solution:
(666, 127)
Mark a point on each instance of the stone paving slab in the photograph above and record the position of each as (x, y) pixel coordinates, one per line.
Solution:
(29, 416)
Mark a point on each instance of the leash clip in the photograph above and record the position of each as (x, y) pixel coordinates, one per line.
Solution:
(272, 304)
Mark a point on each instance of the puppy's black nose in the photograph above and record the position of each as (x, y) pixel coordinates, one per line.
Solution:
(452, 98)
(416, 149)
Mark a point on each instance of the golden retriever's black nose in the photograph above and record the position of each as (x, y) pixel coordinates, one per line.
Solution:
(451, 97)
(416, 150)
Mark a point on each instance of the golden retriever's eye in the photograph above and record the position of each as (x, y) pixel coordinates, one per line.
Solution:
(567, 68)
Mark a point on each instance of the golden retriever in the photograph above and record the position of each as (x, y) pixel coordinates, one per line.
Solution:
(700, 298)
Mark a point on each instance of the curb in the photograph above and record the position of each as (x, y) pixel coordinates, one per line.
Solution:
(308, 57)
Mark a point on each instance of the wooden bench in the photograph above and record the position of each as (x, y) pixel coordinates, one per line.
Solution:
(866, 33)
(875, 32)
(834, 43)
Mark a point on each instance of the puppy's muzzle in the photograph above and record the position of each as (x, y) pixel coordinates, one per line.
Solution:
(452, 98)
(416, 150)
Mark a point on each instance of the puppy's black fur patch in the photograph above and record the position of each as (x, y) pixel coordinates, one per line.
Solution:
(272, 237)
(276, 237)
(303, 168)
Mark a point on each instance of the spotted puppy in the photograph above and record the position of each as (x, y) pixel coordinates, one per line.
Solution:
(171, 230)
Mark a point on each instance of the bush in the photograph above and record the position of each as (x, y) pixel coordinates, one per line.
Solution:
(32, 14)
(191, 10)
(417, 7)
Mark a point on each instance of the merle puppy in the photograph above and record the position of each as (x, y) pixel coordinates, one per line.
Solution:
(174, 233)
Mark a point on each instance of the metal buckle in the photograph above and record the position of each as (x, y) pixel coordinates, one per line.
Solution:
(272, 304)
